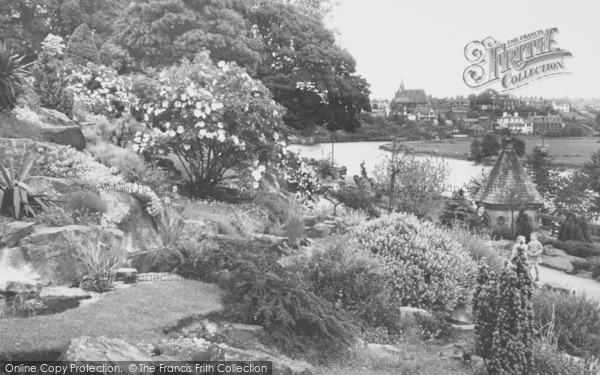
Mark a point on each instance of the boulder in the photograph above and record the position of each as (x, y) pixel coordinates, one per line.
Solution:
(461, 315)
(16, 276)
(455, 351)
(30, 287)
(133, 220)
(409, 314)
(319, 231)
(52, 252)
(127, 275)
(56, 127)
(59, 185)
(281, 365)
(478, 365)
(12, 233)
(103, 350)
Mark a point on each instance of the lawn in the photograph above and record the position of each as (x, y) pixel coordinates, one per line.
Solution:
(140, 312)
(568, 152)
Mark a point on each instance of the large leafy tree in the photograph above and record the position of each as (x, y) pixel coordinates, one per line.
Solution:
(159, 33)
(304, 68)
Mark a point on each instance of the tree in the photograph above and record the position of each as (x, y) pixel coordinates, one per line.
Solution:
(476, 151)
(485, 311)
(413, 185)
(512, 342)
(159, 33)
(518, 146)
(598, 119)
(81, 47)
(215, 120)
(574, 228)
(490, 145)
(457, 211)
(591, 175)
(476, 182)
(50, 73)
(306, 70)
(523, 225)
(542, 173)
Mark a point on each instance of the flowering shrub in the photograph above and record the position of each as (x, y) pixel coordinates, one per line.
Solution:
(301, 178)
(427, 268)
(101, 90)
(214, 119)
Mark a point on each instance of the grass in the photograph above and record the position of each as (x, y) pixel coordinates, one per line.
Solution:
(568, 152)
(561, 261)
(413, 359)
(138, 313)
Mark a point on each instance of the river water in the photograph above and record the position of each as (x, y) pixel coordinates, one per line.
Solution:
(351, 154)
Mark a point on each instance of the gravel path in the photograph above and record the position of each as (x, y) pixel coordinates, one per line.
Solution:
(577, 284)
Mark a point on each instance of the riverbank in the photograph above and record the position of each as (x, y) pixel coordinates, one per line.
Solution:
(565, 152)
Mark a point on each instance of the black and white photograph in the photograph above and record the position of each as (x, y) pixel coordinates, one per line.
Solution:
(300, 187)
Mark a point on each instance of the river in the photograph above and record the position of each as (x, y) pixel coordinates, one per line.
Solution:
(351, 154)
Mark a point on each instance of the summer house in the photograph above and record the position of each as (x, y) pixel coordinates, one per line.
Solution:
(507, 190)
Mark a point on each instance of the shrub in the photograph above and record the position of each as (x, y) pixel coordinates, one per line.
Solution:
(479, 248)
(214, 119)
(485, 311)
(503, 233)
(98, 263)
(16, 197)
(12, 77)
(574, 229)
(578, 249)
(512, 343)
(170, 223)
(523, 225)
(576, 321)
(50, 74)
(589, 264)
(353, 280)
(549, 361)
(128, 164)
(261, 291)
(55, 216)
(86, 202)
(115, 57)
(81, 47)
(293, 225)
(427, 268)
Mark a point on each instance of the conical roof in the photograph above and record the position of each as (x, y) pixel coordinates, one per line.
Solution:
(508, 184)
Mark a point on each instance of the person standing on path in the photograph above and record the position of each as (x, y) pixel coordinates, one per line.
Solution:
(535, 250)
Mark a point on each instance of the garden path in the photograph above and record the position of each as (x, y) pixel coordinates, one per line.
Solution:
(577, 284)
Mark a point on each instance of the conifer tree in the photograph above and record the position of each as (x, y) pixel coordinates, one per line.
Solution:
(485, 311)
(81, 48)
(511, 352)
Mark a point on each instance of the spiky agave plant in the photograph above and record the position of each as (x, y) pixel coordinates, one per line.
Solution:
(15, 194)
(12, 76)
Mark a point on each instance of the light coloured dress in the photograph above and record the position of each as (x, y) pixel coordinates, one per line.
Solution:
(535, 252)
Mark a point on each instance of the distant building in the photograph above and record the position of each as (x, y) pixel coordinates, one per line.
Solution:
(458, 114)
(561, 106)
(486, 122)
(478, 131)
(409, 103)
(469, 123)
(508, 189)
(542, 124)
(510, 121)
(380, 107)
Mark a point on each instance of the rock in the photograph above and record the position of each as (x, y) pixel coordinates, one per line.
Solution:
(52, 252)
(59, 185)
(56, 127)
(462, 327)
(461, 315)
(385, 351)
(103, 350)
(12, 233)
(281, 365)
(554, 287)
(140, 235)
(319, 231)
(127, 275)
(478, 365)
(453, 351)
(243, 332)
(409, 314)
(31, 288)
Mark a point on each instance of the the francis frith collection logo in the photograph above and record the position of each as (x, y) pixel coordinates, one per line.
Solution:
(514, 63)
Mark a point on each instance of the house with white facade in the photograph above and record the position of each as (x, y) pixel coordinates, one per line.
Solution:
(514, 123)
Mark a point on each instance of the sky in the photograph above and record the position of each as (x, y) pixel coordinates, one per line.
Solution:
(423, 41)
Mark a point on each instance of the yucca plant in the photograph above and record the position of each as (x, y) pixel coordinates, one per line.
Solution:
(97, 264)
(12, 76)
(15, 194)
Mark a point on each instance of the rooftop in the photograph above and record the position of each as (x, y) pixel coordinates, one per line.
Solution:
(508, 182)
